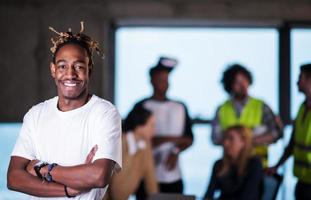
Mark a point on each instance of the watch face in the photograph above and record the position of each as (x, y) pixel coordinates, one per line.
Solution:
(49, 177)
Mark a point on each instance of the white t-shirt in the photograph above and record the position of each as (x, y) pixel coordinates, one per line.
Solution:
(170, 121)
(66, 138)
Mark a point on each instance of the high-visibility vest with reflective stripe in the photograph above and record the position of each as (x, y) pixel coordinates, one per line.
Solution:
(302, 146)
(250, 117)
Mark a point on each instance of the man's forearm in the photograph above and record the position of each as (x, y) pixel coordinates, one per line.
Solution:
(181, 142)
(20, 180)
(217, 133)
(288, 150)
(32, 185)
(264, 139)
(85, 176)
(287, 153)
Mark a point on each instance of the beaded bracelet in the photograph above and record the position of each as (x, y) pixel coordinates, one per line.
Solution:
(66, 192)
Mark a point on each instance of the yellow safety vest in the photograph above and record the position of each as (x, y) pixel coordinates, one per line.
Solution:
(302, 146)
(250, 117)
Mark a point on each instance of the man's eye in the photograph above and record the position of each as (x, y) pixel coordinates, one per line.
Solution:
(61, 66)
(79, 67)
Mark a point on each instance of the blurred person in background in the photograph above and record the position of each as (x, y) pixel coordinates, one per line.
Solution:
(137, 158)
(173, 129)
(243, 109)
(238, 174)
(300, 143)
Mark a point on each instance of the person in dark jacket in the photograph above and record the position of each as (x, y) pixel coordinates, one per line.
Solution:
(238, 175)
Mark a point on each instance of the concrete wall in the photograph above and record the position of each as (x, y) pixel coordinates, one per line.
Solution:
(25, 39)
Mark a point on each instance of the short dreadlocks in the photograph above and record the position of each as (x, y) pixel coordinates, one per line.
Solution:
(80, 39)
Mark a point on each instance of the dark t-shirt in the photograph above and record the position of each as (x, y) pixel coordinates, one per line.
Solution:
(235, 187)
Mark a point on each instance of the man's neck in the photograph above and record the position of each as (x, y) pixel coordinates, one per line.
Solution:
(65, 104)
(240, 100)
(159, 97)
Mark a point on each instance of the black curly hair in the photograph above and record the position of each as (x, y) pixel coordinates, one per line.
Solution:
(230, 74)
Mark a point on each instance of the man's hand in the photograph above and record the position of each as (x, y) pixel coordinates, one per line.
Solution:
(73, 192)
(171, 161)
(90, 156)
(271, 170)
(30, 167)
(279, 122)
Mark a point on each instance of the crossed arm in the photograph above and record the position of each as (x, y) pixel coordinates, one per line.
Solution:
(78, 179)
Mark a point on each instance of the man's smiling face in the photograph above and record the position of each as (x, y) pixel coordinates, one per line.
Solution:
(71, 72)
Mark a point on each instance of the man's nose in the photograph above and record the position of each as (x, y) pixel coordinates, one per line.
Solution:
(71, 73)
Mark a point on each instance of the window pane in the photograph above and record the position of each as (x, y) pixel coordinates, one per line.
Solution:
(203, 54)
(8, 135)
(300, 54)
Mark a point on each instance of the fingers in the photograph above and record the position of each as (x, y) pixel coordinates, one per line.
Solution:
(30, 167)
(91, 155)
(279, 122)
(94, 150)
(171, 161)
(270, 171)
(73, 192)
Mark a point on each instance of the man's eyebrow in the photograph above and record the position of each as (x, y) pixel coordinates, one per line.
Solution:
(60, 61)
(79, 61)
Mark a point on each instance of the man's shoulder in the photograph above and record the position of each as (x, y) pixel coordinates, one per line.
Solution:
(36, 109)
(141, 102)
(258, 100)
(178, 104)
(224, 103)
(102, 105)
(263, 103)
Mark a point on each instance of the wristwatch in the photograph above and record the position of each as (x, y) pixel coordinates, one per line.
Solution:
(48, 176)
(38, 167)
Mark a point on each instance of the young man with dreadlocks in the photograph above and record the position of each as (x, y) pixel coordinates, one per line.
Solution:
(69, 145)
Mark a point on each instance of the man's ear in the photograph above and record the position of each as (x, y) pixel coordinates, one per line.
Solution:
(52, 69)
(90, 70)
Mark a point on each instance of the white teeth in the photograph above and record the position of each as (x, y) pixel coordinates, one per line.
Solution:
(70, 84)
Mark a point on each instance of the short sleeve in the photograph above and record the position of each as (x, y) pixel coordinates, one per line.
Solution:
(107, 135)
(188, 124)
(216, 135)
(269, 120)
(25, 145)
